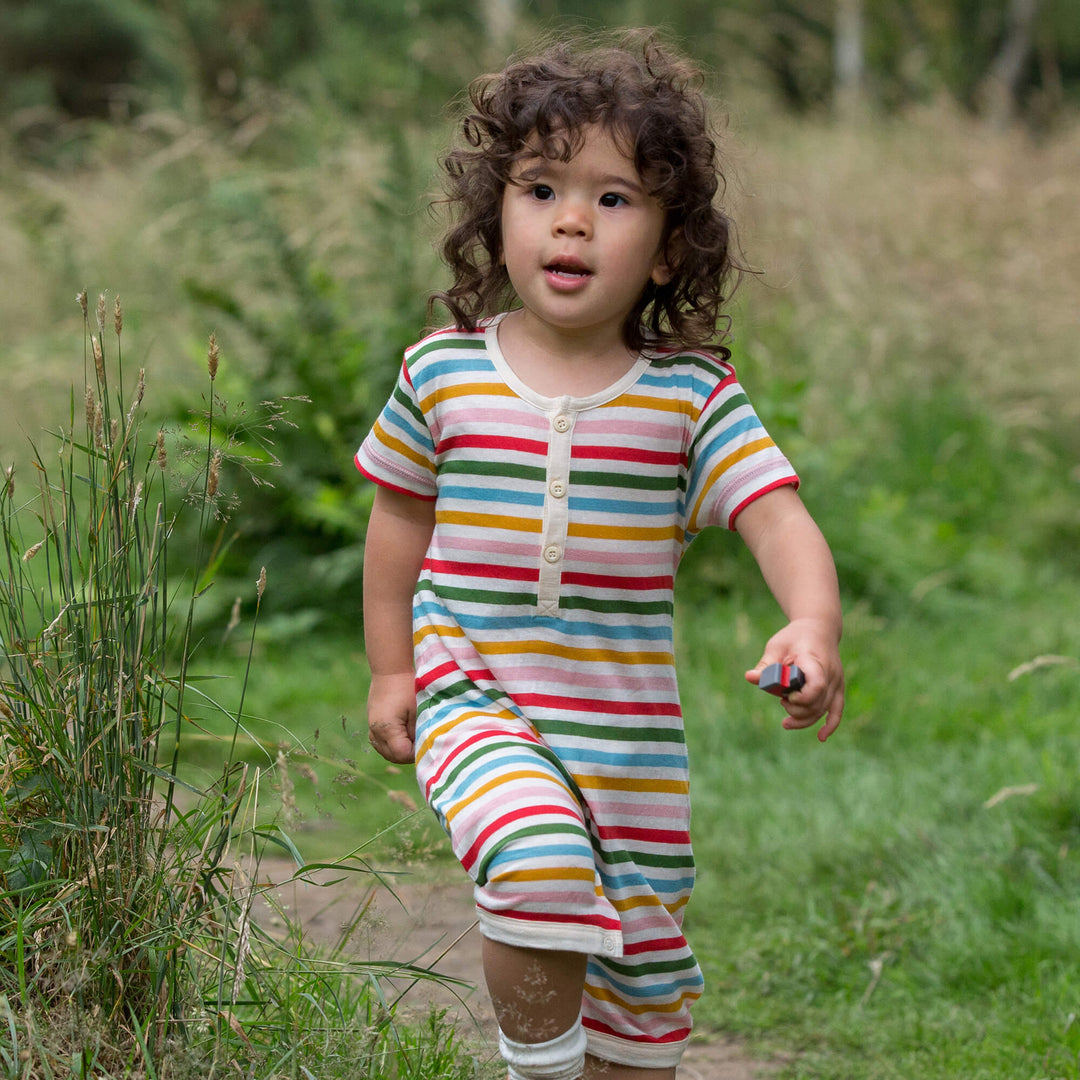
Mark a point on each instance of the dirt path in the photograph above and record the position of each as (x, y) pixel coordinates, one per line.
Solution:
(431, 924)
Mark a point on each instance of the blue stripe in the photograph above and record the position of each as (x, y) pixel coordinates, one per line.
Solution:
(623, 506)
(429, 608)
(631, 991)
(493, 495)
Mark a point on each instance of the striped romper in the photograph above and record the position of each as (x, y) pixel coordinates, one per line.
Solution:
(549, 736)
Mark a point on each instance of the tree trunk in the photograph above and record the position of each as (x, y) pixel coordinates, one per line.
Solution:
(996, 96)
(848, 56)
(500, 21)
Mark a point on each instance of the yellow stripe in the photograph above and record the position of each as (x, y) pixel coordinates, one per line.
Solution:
(568, 652)
(459, 718)
(504, 778)
(445, 393)
(623, 532)
(401, 448)
(554, 873)
(657, 404)
(739, 455)
(488, 521)
(614, 783)
(601, 994)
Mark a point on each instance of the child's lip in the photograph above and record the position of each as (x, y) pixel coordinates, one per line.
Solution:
(567, 264)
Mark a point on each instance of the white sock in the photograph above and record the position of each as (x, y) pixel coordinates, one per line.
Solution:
(561, 1058)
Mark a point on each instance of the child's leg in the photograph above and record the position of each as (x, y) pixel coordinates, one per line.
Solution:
(536, 992)
(537, 997)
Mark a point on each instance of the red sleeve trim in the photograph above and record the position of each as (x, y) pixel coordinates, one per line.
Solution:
(790, 481)
(394, 487)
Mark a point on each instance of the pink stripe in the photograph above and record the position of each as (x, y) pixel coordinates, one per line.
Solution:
(467, 417)
(490, 547)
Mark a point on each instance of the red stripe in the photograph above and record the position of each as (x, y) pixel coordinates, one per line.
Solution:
(627, 453)
(626, 708)
(500, 823)
(555, 917)
(475, 675)
(656, 836)
(491, 442)
(612, 581)
(482, 570)
(393, 487)
(480, 736)
(678, 1035)
(720, 387)
(674, 944)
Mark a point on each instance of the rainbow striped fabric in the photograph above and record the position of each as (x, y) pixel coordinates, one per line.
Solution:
(549, 733)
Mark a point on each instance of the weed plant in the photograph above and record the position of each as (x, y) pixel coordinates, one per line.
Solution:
(128, 938)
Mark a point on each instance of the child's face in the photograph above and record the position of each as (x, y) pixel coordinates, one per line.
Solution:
(581, 239)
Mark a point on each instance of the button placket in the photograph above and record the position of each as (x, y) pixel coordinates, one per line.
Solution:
(556, 508)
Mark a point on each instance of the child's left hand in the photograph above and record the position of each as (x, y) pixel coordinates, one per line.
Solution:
(808, 643)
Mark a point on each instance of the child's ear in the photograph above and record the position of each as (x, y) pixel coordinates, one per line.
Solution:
(667, 261)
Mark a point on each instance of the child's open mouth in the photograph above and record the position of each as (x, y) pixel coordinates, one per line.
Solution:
(567, 272)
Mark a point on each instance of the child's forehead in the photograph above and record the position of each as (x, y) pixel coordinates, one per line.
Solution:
(566, 144)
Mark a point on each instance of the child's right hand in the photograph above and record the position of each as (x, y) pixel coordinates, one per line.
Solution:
(392, 716)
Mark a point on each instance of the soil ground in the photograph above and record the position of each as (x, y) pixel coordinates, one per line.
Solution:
(432, 924)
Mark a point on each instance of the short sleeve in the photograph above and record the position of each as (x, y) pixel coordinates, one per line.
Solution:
(733, 461)
(399, 452)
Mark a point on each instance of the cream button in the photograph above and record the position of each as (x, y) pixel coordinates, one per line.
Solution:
(557, 488)
(561, 423)
(552, 553)
(609, 944)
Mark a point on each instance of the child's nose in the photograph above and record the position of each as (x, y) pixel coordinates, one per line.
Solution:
(573, 219)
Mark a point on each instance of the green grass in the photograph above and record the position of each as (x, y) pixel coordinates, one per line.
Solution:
(869, 905)
(864, 909)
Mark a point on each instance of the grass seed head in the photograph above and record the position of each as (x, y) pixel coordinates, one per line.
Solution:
(118, 317)
(99, 362)
(162, 455)
(32, 550)
(101, 313)
(215, 474)
(91, 407)
(260, 585)
(9, 480)
(212, 354)
(80, 299)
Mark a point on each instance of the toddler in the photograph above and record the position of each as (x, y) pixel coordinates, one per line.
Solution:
(542, 465)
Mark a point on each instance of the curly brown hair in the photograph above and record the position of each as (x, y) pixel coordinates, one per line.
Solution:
(651, 101)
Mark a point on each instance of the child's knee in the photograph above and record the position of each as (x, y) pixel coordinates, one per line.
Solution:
(561, 1058)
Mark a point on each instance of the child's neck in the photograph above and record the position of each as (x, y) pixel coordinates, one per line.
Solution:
(554, 363)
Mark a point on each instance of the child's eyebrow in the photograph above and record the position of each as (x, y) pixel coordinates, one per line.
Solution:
(542, 170)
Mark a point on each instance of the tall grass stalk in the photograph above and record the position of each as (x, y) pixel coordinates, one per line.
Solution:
(109, 887)
(127, 929)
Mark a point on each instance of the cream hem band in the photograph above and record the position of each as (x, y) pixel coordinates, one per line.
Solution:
(565, 937)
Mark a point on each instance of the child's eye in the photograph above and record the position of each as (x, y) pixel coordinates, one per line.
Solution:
(612, 198)
(542, 191)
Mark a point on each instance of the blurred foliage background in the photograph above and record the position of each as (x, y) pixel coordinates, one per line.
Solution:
(903, 172)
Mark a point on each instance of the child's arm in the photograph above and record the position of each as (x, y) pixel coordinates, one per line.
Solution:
(798, 568)
(397, 539)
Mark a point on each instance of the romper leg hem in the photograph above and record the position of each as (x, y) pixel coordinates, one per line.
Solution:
(630, 1052)
(565, 937)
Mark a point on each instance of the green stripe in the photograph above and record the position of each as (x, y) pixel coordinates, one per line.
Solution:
(614, 733)
(642, 858)
(736, 402)
(659, 967)
(551, 829)
(494, 468)
(635, 481)
(487, 596)
(466, 341)
(410, 407)
(616, 607)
